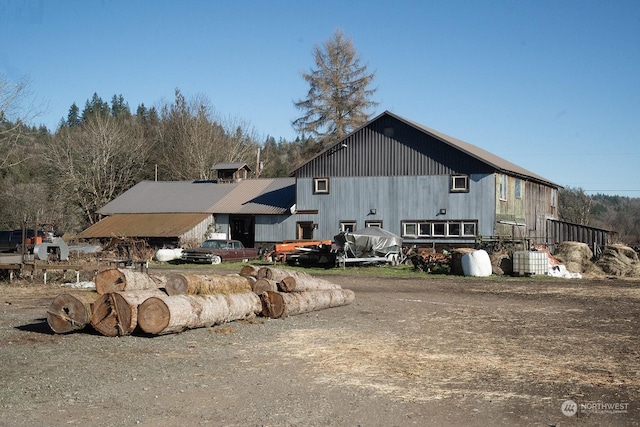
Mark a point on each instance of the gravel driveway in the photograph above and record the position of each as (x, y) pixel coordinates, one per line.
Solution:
(425, 351)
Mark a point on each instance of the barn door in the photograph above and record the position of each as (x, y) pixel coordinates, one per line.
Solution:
(305, 230)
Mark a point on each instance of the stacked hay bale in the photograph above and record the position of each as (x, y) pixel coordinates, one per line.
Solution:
(619, 261)
(577, 257)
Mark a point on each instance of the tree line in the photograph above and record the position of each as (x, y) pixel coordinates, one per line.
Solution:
(100, 151)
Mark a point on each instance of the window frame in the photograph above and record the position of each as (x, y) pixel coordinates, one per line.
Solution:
(518, 189)
(317, 181)
(453, 188)
(348, 224)
(503, 186)
(372, 223)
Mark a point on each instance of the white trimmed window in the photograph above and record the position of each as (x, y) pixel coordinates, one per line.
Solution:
(439, 229)
(320, 185)
(459, 184)
(347, 226)
(503, 187)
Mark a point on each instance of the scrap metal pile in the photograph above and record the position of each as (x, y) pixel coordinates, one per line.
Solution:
(127, 301)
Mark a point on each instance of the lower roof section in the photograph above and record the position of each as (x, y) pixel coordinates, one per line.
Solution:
(144, 225)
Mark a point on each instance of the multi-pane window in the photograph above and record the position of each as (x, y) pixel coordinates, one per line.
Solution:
(418, 229)
(320, 185)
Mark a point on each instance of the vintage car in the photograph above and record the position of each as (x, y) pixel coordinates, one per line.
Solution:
(216, 251)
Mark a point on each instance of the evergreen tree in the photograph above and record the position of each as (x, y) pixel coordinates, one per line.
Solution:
(339, 94)
(73, 118)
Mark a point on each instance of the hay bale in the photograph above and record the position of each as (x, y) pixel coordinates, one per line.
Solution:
(619, 260)
(501, 263)
(575, 256)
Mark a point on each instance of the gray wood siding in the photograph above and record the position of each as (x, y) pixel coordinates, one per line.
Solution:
(409, 151)
(275, 228)
(396, 199)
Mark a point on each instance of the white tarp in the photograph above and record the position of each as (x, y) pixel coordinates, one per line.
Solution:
(368, 242)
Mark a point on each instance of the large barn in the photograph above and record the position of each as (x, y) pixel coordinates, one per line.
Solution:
(425, 186)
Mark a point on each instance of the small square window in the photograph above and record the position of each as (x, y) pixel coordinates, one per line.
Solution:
(321, 186)
(468, 228)
(424, 229)
(439, 228)
(454, 229)
(409, 229)
(347, 226)
(459, 183)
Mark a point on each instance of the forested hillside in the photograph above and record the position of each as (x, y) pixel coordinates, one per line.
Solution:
(100, 151)
(621, 215)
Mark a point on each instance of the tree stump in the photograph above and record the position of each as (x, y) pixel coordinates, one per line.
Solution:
(122, 279)
(199, 284)
(281, 304)
(176, 313)
(116, 313)
(70, 312)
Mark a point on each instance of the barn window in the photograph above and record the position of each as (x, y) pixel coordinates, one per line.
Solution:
(459, 184)
(409, 229)
(518, 192)
(424, 229)
(468, 228)
(347, 226)
(554, 194)
(503, 187)
(320, 185)
(377, 224)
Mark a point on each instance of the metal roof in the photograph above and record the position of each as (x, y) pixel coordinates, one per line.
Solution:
(490, 159)
(251, 196)
(144, 225)
(234, 166)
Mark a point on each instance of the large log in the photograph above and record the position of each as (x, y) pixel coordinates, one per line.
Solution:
(301, 282)
(200, 284)
(70, 312)
(116, 313)
(249, 271)
(264, 285)
(270, 273)
(281, 304)
(176, 313)
(122, 279)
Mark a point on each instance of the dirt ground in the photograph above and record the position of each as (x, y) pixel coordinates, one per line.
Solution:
(425, 351)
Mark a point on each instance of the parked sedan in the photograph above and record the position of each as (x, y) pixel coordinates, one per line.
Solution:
(216, 251)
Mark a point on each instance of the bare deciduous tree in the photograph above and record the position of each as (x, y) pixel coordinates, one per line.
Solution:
(16, 110)
(339, 94)
(96, 161)
(192, 138)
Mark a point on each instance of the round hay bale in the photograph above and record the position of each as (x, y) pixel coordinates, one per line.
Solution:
(619, 260)
(501, 263)
(576, 256)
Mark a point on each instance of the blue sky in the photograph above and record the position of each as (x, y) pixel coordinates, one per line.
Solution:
(553, 86)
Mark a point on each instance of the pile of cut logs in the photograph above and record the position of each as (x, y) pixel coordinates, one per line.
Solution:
(162, 304)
